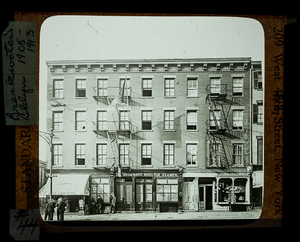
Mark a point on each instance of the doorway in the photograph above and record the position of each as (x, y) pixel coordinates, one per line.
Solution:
(143, 190)
(124, 195)
(188, 195)
(205, 197)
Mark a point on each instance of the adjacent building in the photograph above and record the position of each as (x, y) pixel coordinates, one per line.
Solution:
(162, 135)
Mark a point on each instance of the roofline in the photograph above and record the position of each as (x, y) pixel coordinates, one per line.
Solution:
(139, 61)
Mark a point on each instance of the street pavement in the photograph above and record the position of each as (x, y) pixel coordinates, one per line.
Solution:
(136, 216)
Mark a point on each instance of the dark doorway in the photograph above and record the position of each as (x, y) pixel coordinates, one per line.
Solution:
(208, 198)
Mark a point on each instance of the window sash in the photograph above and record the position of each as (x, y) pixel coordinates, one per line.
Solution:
(58, 120)
(168, 154)
(101, 120)
(102, 87)
(169, 120)
(80, 154)
(124, 154)
(124, 120)
(80, 120)
(215, 85)
(192, 87)
(101, 154)
(191, 154)
(237, 154)
(57, 154)
(169, 87)
(237, 86)
(58, 88)
(237, 119)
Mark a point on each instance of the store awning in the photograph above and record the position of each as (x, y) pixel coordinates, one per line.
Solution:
(257, 178)
(66, 185)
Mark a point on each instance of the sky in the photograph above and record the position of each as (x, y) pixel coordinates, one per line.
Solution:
(131, 37)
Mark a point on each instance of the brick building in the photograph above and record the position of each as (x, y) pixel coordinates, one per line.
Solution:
(163, 135)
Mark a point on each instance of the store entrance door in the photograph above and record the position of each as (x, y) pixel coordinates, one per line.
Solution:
(188, 195)
(124, 195)
(143, 200)
(205, 197)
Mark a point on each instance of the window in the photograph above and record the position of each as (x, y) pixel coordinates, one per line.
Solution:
(126, 86)
(214, 153)
(58, 120)
(166, 190)
(238, 154)
(259, 151)
(80, 88)
(237, 116)
(191, 154)
(191, 120)
(215, 86)
(100, 187)
(257, 78)
(258, 113)
(237, 86)
(101, 154)
(58, 86)
(101, 120)
(169, 154)
(102, 87)
(146, 120)
(124, 154)
(57, 154)
(80, 154)
(192, 87)
(80, 120)
(124, 120)
(146, 154)
(169, 87)
(147, 87)
(169, 120)
(214, 119)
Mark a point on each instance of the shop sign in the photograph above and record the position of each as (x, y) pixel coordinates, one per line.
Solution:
(147, 174)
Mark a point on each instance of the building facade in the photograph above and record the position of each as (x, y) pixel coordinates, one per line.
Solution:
(162, 135)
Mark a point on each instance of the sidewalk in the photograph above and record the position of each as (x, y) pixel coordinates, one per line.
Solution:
(207, 215)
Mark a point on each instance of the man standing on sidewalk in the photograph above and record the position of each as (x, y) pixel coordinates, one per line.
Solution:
(113, 202)
(60, 209)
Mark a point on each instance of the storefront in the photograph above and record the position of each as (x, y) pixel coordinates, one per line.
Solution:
(148, 191)
(74, 189)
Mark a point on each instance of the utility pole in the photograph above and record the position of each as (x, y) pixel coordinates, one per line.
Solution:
(48, 137)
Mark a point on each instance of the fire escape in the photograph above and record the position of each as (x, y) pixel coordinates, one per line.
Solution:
(219, 126)
(115, 122)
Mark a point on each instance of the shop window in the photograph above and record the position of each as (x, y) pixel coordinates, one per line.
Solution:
(223, 188)
(100, 186)
(239, 189)
(167, 190)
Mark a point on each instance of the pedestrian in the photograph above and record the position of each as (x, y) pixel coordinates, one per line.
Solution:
(49, 210)
(113, 202)
(99, 203)
(60, 209)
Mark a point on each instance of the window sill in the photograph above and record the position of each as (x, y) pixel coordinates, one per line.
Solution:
(57, 166)
(80, 166)
(169, 97)
(169, 166)
(169, 130)
(190, 130)
(192, 96)
(81, 130)
(238, 96)
(147, 166)
(80, 97)
(58, 131)
(147, 130)
(147, 97)
(191, 166)
(238, 166)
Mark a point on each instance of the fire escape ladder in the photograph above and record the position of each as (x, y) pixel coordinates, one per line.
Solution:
(223, 156)
(113, 143)
(212, 106)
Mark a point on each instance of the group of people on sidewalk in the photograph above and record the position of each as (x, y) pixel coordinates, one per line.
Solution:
(90, 208)
(49, 211)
